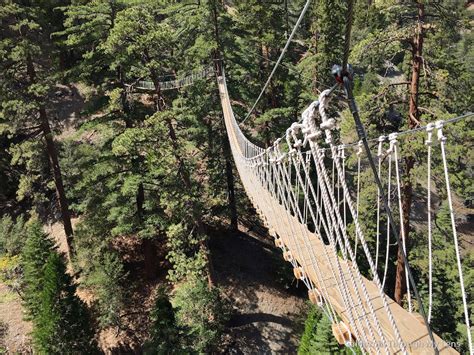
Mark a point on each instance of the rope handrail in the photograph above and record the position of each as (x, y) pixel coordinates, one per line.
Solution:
(174, 84)
(410, 131)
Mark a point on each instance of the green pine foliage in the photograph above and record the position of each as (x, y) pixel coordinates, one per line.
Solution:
(318, 338)
(164, 337)
(202, 313)
(12, 235)
(105, 277)
(61, 322)
(310, 324)
(38, 247)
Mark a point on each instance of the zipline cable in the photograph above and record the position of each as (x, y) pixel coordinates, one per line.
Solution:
(305, 8)
(347, 35)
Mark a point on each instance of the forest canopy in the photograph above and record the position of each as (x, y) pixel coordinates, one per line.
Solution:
(111, 127)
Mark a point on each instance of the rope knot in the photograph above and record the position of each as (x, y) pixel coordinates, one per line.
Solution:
(359, 149)
(429, 129)
(311, 129)
(393, 138)
(439, 126)
(380, 147)
(342, 151)
(296, 127)
(298, 143)
(314, 136)
(327, 123)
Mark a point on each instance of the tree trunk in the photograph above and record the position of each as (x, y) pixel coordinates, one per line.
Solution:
(407, 186)
(58, 180)
(151, 262)
(54, 164)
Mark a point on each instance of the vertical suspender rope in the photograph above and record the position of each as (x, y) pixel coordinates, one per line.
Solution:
(394, 145)
(379, 163)
(442, 142)
(429, 142)
(363, 137)
(343, 152)
(389, 221)
(359, 153)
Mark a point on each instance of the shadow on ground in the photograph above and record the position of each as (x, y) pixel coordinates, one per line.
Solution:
(269, 306)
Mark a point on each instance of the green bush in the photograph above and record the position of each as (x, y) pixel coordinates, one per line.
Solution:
(12, 235)
(202, 313)
(164, 333)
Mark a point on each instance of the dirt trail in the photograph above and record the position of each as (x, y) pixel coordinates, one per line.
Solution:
(267, 313)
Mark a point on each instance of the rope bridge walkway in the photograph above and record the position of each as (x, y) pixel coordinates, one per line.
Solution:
(176, 83)
(307, 208)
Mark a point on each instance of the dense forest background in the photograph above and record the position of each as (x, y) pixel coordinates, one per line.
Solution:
(142, 182)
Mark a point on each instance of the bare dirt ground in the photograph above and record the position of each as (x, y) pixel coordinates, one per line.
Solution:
(14, 329)
(268, 310)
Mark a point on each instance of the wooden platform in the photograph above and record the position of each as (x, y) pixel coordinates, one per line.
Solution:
(306, 248)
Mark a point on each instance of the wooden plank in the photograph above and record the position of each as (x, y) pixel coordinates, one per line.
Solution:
(309, 251)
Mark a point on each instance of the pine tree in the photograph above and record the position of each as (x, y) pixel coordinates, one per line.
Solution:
(318, 337)
(202, 313)
(35, 253)
(310, 325)
(61, 324)
(26, 89)
(324, 340)
(164, 338)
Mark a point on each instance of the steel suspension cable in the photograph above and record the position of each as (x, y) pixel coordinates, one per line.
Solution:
(347, 35)
(300, 18)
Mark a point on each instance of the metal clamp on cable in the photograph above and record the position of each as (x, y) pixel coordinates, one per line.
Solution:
(339, 74)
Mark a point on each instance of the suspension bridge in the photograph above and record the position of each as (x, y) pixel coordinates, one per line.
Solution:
(308, 209)
(293, 192)
(299, 188)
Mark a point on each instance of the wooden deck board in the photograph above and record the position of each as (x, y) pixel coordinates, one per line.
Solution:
(309, 251)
